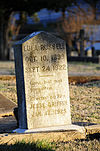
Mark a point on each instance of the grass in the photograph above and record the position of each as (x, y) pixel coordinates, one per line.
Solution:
(85, 108)
(87, 144)
(79, 67)
(87, 64)
(29, 146)
(84, 99)
(84, 68)
(92, 142)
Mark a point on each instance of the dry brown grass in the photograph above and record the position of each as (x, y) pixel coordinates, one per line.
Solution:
(85, 102)
(84, 99)
(85, 106)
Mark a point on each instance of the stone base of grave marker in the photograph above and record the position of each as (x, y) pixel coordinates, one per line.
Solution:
(71, 127)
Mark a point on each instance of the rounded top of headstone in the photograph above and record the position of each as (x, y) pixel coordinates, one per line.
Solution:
(27, 38)
(31, 36)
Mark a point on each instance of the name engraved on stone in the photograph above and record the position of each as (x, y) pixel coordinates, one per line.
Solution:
(49, 104)
(44, 47)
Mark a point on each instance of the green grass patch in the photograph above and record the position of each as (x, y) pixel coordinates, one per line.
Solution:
(29, 146)
(92, 142)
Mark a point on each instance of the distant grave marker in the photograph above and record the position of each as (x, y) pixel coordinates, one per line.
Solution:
(42, 82)
(6, 106)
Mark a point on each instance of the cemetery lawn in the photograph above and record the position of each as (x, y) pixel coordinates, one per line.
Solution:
(80, 68)
(87, 144)
(84, 99)
(85, 108)
(73, 67)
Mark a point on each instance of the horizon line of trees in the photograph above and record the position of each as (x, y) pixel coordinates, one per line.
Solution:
(73, 7)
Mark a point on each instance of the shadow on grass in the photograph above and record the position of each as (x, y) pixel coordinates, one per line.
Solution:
(89, 138)
(98, 68)
(88, 84)
(84, 123)
(93, 136)
(40, 146)
(22, 146)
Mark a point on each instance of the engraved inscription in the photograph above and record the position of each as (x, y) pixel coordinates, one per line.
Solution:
(44, 58)
(45, 71)
(46, 68)
(49, 112)
(49, 104)
(44, 47)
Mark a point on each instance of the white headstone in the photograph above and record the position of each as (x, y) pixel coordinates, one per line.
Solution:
(42, 81)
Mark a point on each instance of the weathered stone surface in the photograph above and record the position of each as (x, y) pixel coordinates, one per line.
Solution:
(92, 129)
(57, 136)
(48, 137)
(6, 106)
(81, 129)
(42, 81)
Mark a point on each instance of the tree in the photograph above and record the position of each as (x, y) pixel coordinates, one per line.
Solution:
(83, 12)
(6, 10)
(29, 6)
(94, 5)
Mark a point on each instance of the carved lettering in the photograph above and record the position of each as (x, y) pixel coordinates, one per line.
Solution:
(55, 111)
(31, 48)
(40, 89)
(31, 59)
(53, 46)
(56, 103)
(32, 69)
(59, 67)
(46, 68)
(57, 57)
(43, 47)
(44, 58)
(49, 112)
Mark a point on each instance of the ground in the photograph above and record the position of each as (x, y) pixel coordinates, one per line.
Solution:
(74, 68)
(84, 97)
(84, 100)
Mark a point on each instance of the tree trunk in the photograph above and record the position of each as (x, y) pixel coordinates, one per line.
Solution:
(4, 53)
(5, 40)
(1, 38)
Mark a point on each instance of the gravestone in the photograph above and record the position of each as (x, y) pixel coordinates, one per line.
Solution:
(6, 106)
(42, 82)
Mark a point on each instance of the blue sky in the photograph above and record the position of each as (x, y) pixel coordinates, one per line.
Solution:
(44, 16)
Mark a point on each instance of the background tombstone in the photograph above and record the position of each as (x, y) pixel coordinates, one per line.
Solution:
(42, 81)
